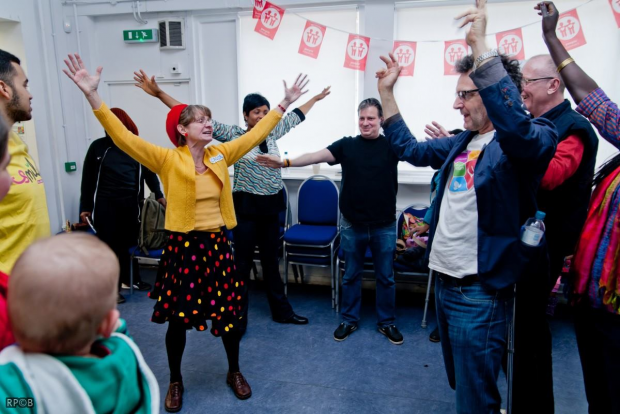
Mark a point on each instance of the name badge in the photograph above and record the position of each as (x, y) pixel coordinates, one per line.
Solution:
(217, 158)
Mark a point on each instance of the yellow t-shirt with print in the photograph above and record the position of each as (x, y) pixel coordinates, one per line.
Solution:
(23, 212)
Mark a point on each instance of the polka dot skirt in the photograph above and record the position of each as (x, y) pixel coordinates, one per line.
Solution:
(197, 281)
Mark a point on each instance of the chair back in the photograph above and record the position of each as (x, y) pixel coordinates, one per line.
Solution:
(317, 201)
(417, 210)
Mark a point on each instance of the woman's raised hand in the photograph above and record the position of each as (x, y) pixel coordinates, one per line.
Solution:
(79, 75)
(85, 81)
(294, 92)
(550, 17)
(148, 85)
(270, 161)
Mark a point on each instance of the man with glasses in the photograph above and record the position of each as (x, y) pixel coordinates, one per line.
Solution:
(564, 196)
(489, 181)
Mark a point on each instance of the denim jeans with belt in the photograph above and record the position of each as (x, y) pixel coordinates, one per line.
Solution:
(473, 323)
(355, 238)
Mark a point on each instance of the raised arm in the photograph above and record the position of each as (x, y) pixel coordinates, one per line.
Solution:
(305, 108)
(310, 158)
(523, 139)
(592, 101)
(578, 83)
(147, 154)
(150, 86)
(236, 149)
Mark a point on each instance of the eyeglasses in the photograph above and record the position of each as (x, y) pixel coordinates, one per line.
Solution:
(527, 81)
(464, 95)
(203, 120)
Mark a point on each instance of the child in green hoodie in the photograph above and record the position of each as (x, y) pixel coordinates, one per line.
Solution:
(69, 356)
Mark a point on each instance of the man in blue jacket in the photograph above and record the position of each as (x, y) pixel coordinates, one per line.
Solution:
(489, 179)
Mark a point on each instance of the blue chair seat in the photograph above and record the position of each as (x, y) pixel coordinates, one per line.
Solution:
(135, 251)
(311, 235)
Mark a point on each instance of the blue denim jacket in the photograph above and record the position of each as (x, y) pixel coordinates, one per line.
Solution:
(506, 176)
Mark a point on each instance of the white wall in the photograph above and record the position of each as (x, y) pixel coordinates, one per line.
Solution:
(65, 126)
(11, 39)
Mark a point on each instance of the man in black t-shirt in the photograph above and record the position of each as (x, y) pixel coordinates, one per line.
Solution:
(368, 214)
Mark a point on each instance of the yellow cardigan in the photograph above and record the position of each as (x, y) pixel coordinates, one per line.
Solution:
(177, 170)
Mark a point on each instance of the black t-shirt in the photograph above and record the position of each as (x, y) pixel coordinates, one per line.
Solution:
(369, 179)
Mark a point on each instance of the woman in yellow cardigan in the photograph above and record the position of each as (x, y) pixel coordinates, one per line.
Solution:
(197, 278)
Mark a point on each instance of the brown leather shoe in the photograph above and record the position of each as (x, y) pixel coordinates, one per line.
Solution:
(174, 397)
(239, 385)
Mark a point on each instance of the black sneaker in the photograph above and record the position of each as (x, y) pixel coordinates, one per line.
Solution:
(120, 299)
(343, 331)
(141, 286)
(434, 336)
(392, 333)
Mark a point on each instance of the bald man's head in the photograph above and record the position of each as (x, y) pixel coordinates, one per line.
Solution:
(543, 88)
(60, 291)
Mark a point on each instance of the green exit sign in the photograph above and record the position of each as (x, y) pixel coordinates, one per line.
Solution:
(141, 36)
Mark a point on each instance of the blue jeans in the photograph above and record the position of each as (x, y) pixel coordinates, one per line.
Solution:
(354, 239)
(473, 325)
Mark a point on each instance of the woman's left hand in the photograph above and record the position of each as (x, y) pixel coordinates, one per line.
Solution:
(294, 92)
(323, 94)
(270, 161)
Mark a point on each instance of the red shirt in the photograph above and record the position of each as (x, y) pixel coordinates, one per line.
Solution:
(6, 334)
(564, 164)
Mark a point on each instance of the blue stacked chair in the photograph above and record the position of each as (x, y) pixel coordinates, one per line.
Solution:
(314, 240)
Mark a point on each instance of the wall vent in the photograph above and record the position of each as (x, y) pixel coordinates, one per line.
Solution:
(172, 34)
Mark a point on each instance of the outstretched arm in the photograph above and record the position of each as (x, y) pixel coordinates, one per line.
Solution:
(236, 149)
(528, 141)
(150, 86)
(147, 154)
(305, 108)
(386, 79)
(578, 83)
(272, 161)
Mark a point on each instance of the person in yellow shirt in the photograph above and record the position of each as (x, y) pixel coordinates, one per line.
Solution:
(197, 278)
(24, 209)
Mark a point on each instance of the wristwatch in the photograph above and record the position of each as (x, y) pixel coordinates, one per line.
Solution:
(486, 55)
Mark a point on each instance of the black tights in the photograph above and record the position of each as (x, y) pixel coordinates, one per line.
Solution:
(175, 345)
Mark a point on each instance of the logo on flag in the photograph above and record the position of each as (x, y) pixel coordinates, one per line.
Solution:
(357, 52)
(311, 39)
(269, 20)
(259, 5)
(454, 51)
(615, 7)
(405, 53)
(511, 43)
(569, 30)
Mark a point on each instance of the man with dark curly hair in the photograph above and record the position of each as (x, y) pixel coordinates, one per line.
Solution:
(490, 175)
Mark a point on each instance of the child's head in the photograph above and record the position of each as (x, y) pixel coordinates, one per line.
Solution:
(62, 294)
(5, 158)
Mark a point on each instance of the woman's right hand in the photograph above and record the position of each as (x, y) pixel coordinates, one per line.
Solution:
(79, 75)
(148, 85)
(270, 161)
(294, 92)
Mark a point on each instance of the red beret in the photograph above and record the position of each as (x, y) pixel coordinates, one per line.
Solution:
(172, 121)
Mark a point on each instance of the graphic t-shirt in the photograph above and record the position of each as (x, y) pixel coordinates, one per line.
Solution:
(23, 211)
(455, 247)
